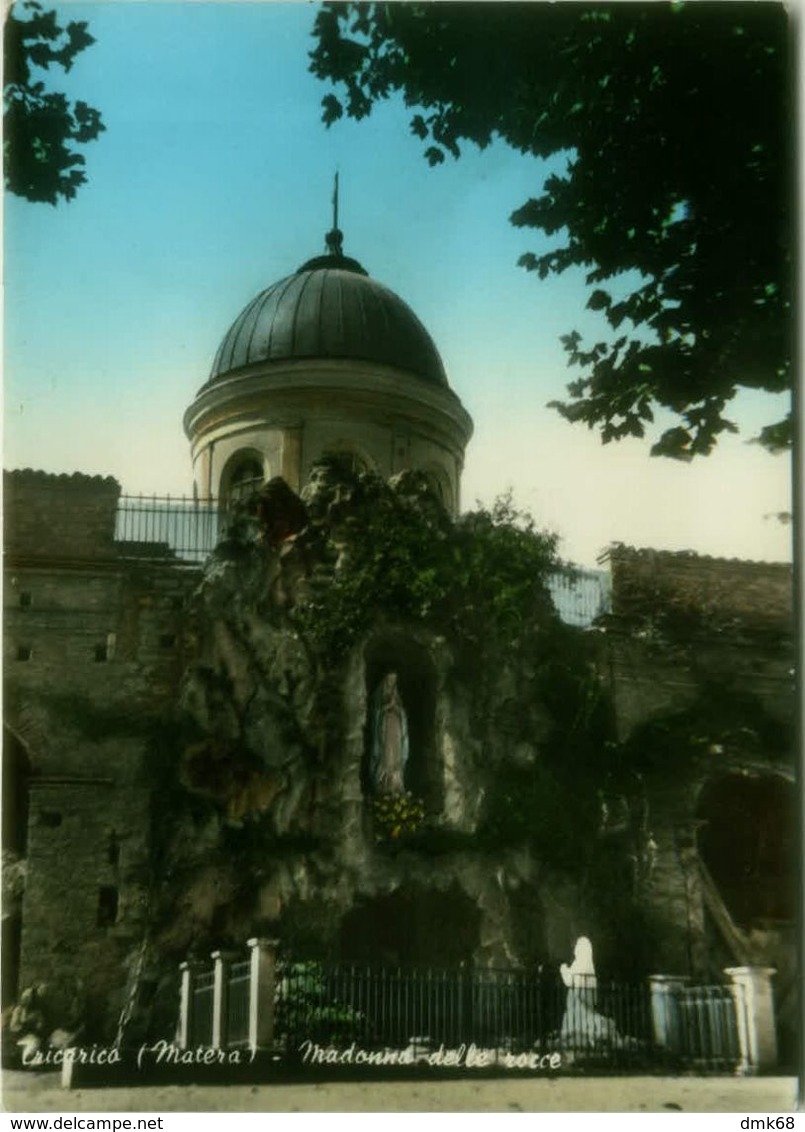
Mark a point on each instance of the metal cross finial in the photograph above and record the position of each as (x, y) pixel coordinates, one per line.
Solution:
(335, 237)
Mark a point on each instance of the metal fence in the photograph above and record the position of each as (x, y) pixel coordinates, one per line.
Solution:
(155, 526)
(581, 596)
(706, 1036)
(201, 1009)
(418, 1016)
(187, 530)
(592, 1024)
(237, 1004)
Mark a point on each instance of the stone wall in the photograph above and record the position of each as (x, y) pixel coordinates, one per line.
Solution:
(681, 623)
(94, 647)
(700, 654)
(756, 595)
(59, 516)
(85, 902)
(113, 636)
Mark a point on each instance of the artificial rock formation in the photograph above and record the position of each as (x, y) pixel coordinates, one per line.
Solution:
(273, 824)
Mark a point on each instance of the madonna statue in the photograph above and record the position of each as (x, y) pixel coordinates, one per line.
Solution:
(582, 1026)
(389, 737)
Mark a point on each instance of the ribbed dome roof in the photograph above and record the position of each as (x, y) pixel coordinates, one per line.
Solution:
(330, 308)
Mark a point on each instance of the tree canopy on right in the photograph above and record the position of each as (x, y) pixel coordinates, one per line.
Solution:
(676, 200)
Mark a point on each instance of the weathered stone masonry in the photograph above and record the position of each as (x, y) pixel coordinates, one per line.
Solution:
(94, 647)
(700, 655)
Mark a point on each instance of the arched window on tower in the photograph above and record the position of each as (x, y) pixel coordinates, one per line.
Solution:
(242, 479)
(347, 459)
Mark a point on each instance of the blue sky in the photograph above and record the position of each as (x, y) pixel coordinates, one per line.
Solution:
(212, 180)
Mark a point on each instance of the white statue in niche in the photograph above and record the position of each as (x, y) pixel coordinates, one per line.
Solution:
(582, 1026)
(389, 737)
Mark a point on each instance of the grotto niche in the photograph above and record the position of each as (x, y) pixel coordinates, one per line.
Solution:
(314, 612)
(400, 685)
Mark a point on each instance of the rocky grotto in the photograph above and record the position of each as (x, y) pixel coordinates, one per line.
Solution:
(272, 821)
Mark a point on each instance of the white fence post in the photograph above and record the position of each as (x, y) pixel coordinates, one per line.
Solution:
(666, 1009)
(220, 994)
(262, 988)
(184, 1029)
(754, 1011)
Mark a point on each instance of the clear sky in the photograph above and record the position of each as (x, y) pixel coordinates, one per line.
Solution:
(212, 180)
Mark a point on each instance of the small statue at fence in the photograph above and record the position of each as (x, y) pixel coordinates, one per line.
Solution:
(581, 1024)
(389, 737)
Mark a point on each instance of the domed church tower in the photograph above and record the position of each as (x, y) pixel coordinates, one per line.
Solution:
(327, 360)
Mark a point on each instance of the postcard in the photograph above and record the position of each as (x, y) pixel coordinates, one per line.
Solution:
(400, 701)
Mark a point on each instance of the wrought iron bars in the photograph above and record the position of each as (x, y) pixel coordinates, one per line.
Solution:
(201, 1009)
(181, 528)
(237, 1004)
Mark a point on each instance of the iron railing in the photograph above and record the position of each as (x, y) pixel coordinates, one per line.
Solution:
(187, 530)
(237, 1004)
(706, 1036)
(504, 1012)
(201, 1009)
(581, 595)
(180, 528)
(422, 1016)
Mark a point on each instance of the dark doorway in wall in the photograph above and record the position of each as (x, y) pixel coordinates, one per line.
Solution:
(107, 906)
(412, 927)
(747, 841)
(16, 777)
(416, 680)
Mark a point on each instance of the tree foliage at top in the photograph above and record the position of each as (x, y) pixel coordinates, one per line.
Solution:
(41, 127)
(676, 202)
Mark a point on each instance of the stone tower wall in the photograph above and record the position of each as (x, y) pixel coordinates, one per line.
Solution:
(94, 647)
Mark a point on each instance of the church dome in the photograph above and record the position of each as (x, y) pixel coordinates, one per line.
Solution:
(326, 362)
(330, 308)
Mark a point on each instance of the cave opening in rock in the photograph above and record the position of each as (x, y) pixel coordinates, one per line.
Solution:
(747, 841)
(412, 927)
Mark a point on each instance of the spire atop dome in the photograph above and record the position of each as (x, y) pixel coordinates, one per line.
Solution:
(334, 239)
(334, 257)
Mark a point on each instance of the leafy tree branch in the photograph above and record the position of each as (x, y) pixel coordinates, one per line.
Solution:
(674, 123)
(41, 127)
